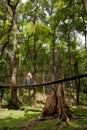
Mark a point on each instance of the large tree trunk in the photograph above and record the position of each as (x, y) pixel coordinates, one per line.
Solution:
(14, 102)
(55, 105)
(35, 53)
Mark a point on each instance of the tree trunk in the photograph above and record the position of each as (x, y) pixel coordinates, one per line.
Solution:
(53, 57)
(55, 105)
(77, 81)
(14, 102)
(35, 53)
(43, 78)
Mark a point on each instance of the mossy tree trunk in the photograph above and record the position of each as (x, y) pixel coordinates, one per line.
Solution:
(55, 105)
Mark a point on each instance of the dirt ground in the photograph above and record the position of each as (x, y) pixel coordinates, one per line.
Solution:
(26, 128)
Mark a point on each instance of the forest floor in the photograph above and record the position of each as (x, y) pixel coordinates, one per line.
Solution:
(79, 122)
(28, 120)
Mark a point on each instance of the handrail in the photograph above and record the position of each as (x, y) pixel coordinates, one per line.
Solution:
(48, 83)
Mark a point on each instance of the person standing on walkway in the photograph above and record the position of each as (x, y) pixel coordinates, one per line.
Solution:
(28, 78)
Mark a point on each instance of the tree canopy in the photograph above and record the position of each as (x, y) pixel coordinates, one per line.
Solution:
(48, 37)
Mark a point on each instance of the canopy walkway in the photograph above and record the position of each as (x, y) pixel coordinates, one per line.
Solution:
(48, 83)
(3, 87)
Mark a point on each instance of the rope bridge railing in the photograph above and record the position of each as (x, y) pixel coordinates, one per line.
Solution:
(48, 83)
(43, 84)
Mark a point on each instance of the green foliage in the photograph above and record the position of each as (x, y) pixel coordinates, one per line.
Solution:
(47, 24)
(4, 69)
